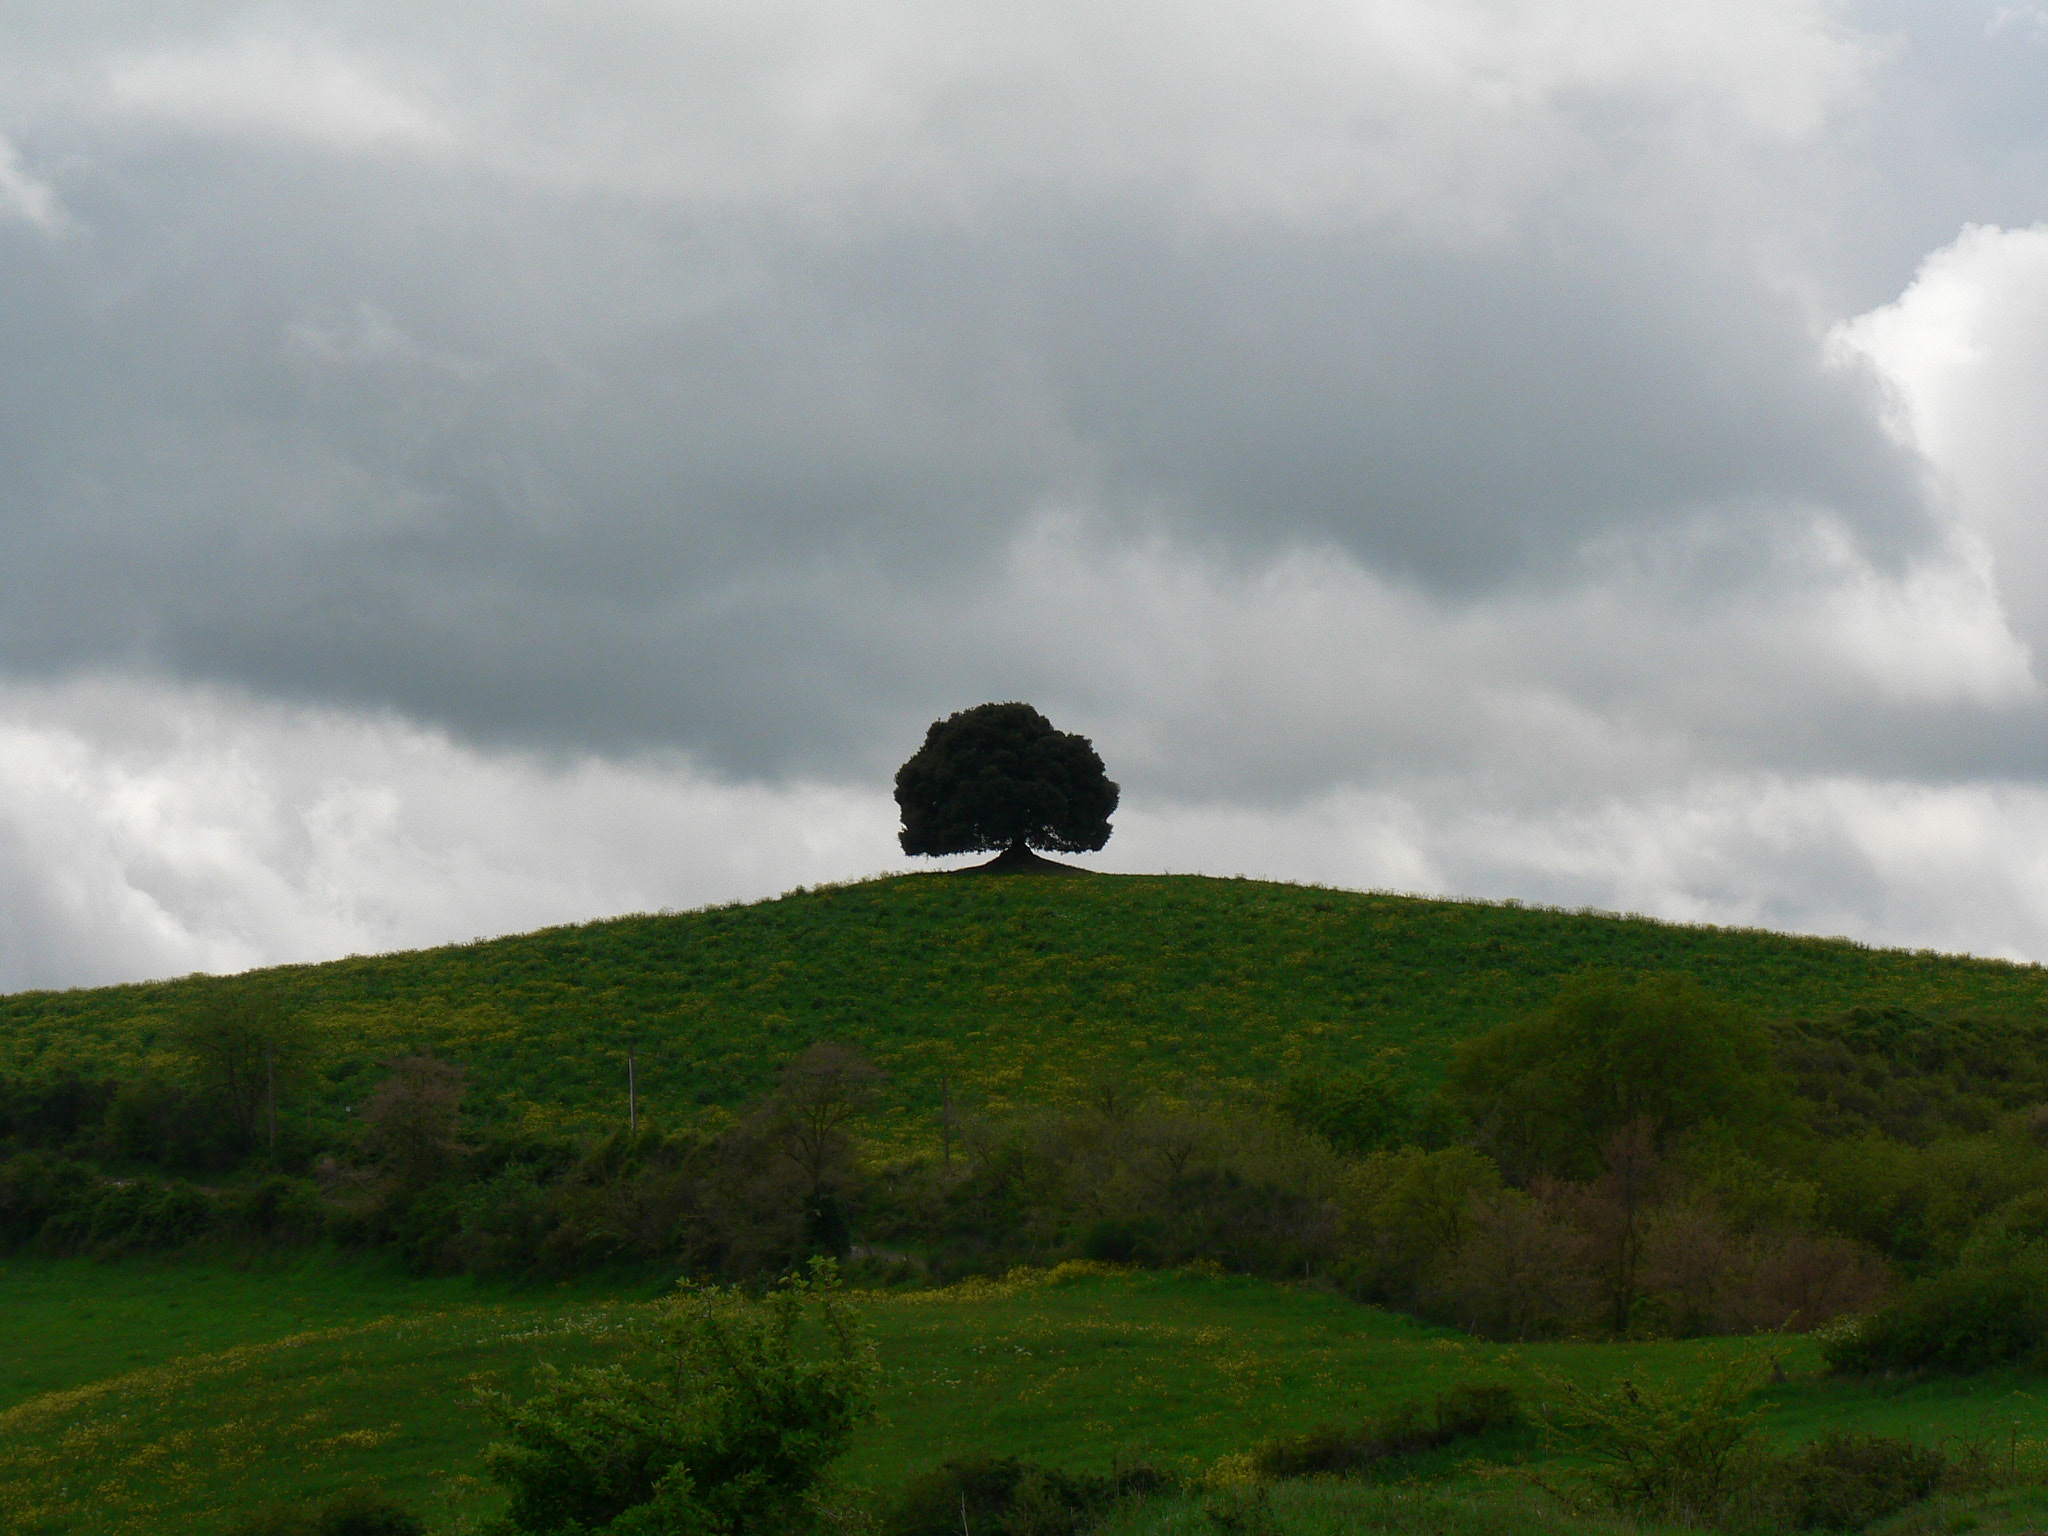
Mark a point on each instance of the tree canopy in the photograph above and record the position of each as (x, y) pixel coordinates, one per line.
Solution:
(998, 776)
(1547, 1092)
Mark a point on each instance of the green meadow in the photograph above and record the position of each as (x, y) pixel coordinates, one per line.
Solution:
(301, 1381)
(1012, 991)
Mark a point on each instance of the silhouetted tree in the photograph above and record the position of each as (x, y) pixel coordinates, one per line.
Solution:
(998, 776)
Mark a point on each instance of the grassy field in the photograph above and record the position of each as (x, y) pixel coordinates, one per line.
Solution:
(1015, 990)
(299, 1382)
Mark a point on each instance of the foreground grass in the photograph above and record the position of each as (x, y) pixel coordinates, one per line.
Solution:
(1015, 991)
(1507, 1509)
(1073, 1369)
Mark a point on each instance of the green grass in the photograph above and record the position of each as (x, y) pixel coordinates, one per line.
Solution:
(1017, 990)
(72, 1322)
(1072, 1371)
(1360, 1509)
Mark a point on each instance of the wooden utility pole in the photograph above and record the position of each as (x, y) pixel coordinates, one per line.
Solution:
(946, 1117)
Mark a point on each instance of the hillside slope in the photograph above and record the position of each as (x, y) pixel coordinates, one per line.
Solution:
(1014, 989)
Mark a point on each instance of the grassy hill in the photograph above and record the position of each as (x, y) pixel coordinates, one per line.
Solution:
(1016, 990)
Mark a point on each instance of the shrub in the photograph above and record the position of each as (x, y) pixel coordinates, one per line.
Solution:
(1002, 1496)
(1405, 1431)
(1661, 1453)
(727, 1425)
(1964, 1320)
(1843, 1482)
(356, 1512)
(34, 1187)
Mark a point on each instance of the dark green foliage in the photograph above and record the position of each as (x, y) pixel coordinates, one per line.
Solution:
(243, 1044)
(1157, 1186)
(1002, 1496)
(54, 1112)
(153, 1121)
(999, 776)
(1913, 1076)
(34, 1187)
(356, 1512)
(1843, 1482)
(1549, 1091)
(1357, 1109)
(727, 1425)
(63, 1207)
(1123, 1240)
(58, 1207)
(1961, 1320)
(1408, 1430)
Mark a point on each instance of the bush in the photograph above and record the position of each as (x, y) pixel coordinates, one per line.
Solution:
(357, 1512)
(1661, 1453)
(277, 1210)
(1406, 1431)
(1002, 1496)
(1844, 1482)
(727, 1427)
(34, 1187)
(1965, 1320)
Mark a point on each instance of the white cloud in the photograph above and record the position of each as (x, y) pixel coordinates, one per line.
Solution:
(151, 832)
(273, 84)
(1965, 349)
(1959, 869)
(25, 197)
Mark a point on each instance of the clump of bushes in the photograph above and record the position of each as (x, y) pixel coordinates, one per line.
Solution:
(1962, 1320)
(727, 1423)
(1003, 1496)
(1408, 1430)
(1843, 1482)
(355, 1512)
(1694, 1456)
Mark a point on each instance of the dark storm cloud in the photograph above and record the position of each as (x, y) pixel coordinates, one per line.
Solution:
(578, 467)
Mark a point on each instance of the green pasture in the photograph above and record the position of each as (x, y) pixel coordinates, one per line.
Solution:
(182, 1396)
(1509, 1508)
(1012, 990)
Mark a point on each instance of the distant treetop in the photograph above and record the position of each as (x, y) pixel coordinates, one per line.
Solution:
(998, 776)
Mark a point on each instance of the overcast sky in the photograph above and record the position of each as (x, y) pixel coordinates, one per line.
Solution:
(471, 466)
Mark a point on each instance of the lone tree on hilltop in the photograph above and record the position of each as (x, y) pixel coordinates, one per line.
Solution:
(998, 776)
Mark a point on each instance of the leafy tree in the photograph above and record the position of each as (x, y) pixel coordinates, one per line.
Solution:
(727, 1428)
(1357, 1110)
(1547, 1093)
(244, 1047)
(823, 1090)
(413, 1119)
(998, 776)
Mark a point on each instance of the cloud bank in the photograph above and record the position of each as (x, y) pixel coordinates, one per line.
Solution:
(474, 468)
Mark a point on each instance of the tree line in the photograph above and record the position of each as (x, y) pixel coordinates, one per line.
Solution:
(1635, 1159)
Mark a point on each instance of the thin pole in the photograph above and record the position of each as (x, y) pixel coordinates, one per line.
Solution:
(270, 1071)
(632, 1101)
(946, 1118)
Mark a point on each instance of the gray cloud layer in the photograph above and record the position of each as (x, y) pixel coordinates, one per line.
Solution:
(1311, 400)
